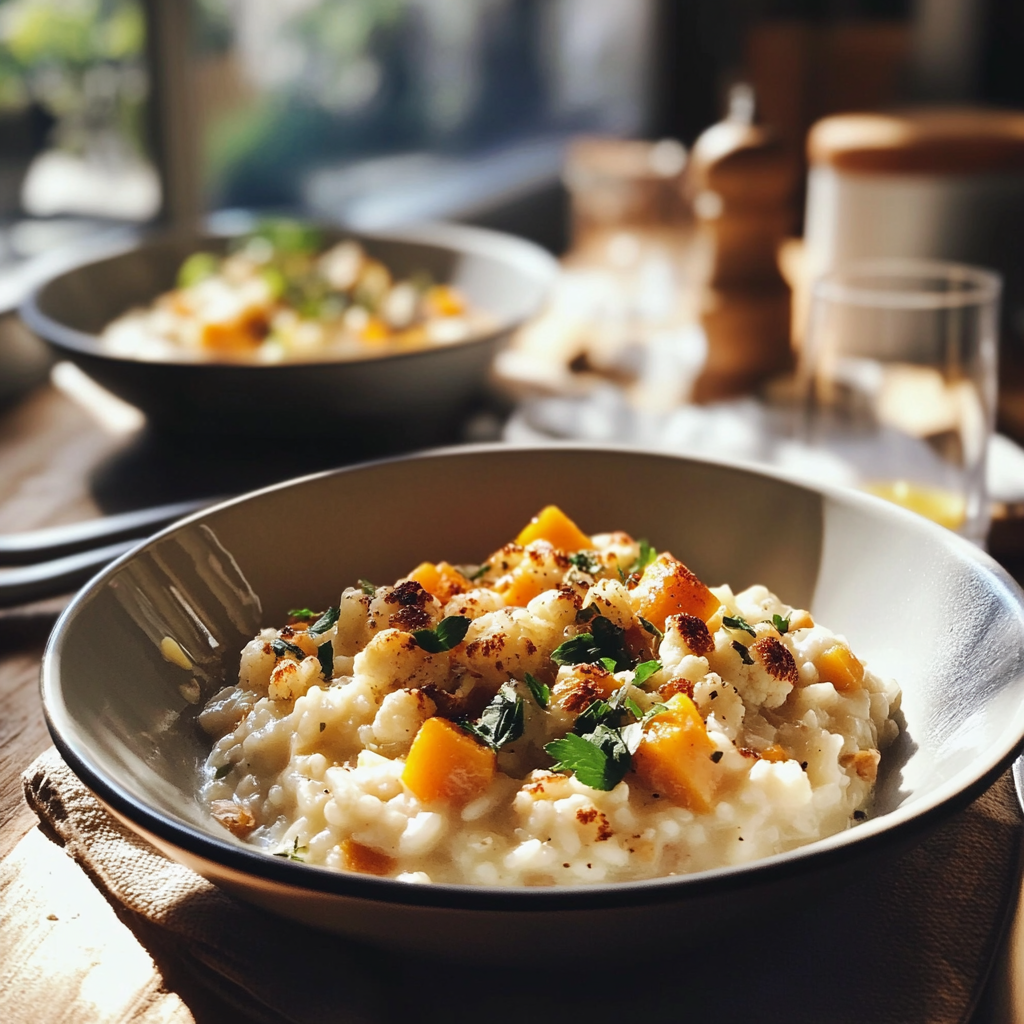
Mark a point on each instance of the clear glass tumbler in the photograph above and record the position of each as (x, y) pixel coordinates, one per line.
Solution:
(898, 377)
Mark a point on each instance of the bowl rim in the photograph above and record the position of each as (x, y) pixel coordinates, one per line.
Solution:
(873, 833)
(520, 253)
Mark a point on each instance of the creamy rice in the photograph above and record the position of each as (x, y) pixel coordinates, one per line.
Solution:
(721, 727)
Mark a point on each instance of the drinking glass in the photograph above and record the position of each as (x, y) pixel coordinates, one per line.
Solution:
(898, 378)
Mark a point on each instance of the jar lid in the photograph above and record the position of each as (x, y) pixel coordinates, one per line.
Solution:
(933, 141)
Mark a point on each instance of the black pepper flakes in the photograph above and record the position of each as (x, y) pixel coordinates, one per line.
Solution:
(716, 756)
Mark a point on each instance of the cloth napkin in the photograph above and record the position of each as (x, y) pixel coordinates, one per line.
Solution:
(912, 943)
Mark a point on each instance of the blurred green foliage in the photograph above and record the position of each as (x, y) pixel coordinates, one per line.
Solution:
(79, 60)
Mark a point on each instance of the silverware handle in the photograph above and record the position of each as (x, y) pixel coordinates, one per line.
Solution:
(59, 576)
(57, 542)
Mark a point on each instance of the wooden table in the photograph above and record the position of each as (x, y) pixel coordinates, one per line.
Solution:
(67, 455)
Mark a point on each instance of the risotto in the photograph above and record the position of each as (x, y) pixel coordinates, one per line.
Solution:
(575, 709)
(280, 295)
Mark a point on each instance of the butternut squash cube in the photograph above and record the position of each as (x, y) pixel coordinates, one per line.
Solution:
(675, 756)
(554, 526)
(442, 581)
(841, 667)
(446, 763)
(366, 860)
(523, 588)
(667, 588)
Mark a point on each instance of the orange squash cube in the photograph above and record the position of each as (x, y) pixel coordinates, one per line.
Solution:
(554, 526)
(523, 588)
(775, 752)
(667, 588)
(675, 756)
(442, 580)
(841, 667)
(364, 859)
(446, 763)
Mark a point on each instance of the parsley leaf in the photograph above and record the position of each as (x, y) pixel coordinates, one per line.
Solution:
(479, 574)
(541, 692)
(781, 624)
(633, 708)
(586, 561)
(605, 640)
(449, 633)
(501, 721)
(742, 652)
(223, 771)
(294, 852)
(325, 652)
(651, 628)
(608, 664)
(586, 614)
(602, 712)
(301, 613)
(367, 587)
(600, 759)
(324, 623)
(644, 671)
(282, 647)
(738, 622)
(647, 555)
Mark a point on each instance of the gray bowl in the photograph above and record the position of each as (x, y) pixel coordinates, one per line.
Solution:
(505, 277)
(916, 601)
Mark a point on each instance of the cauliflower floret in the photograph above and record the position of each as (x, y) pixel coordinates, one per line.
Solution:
(474, 603)
(258, 661)
(759, 683)
(715, 697)
(393, 660)
(291, 679)
(612, 601)
(510, 642)
(401, 714)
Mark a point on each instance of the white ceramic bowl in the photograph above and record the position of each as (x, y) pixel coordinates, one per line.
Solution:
(915, 600)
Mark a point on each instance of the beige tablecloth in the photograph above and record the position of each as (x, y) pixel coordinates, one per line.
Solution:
(913, 943)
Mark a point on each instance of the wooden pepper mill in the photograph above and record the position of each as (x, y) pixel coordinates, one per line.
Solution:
(740, 182)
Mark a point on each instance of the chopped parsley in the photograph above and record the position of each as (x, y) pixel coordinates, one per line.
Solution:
(604, 641)
(600, 759)
(294, 853)
(501, 721)
(541, 692)
(647, 555)
(302, 614)
(325, 622)
(325, 653)
(323, 725)
(738, 622)
(223, 771)
(651, 628)
(586, 614)
(644, 671)
(781, 624)
(479, 574)
(742, 652)
(282, 647)
(586, 561)
(448, 633)
(367, 587)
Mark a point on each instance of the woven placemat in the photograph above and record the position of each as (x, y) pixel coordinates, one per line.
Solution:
(912, 943)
